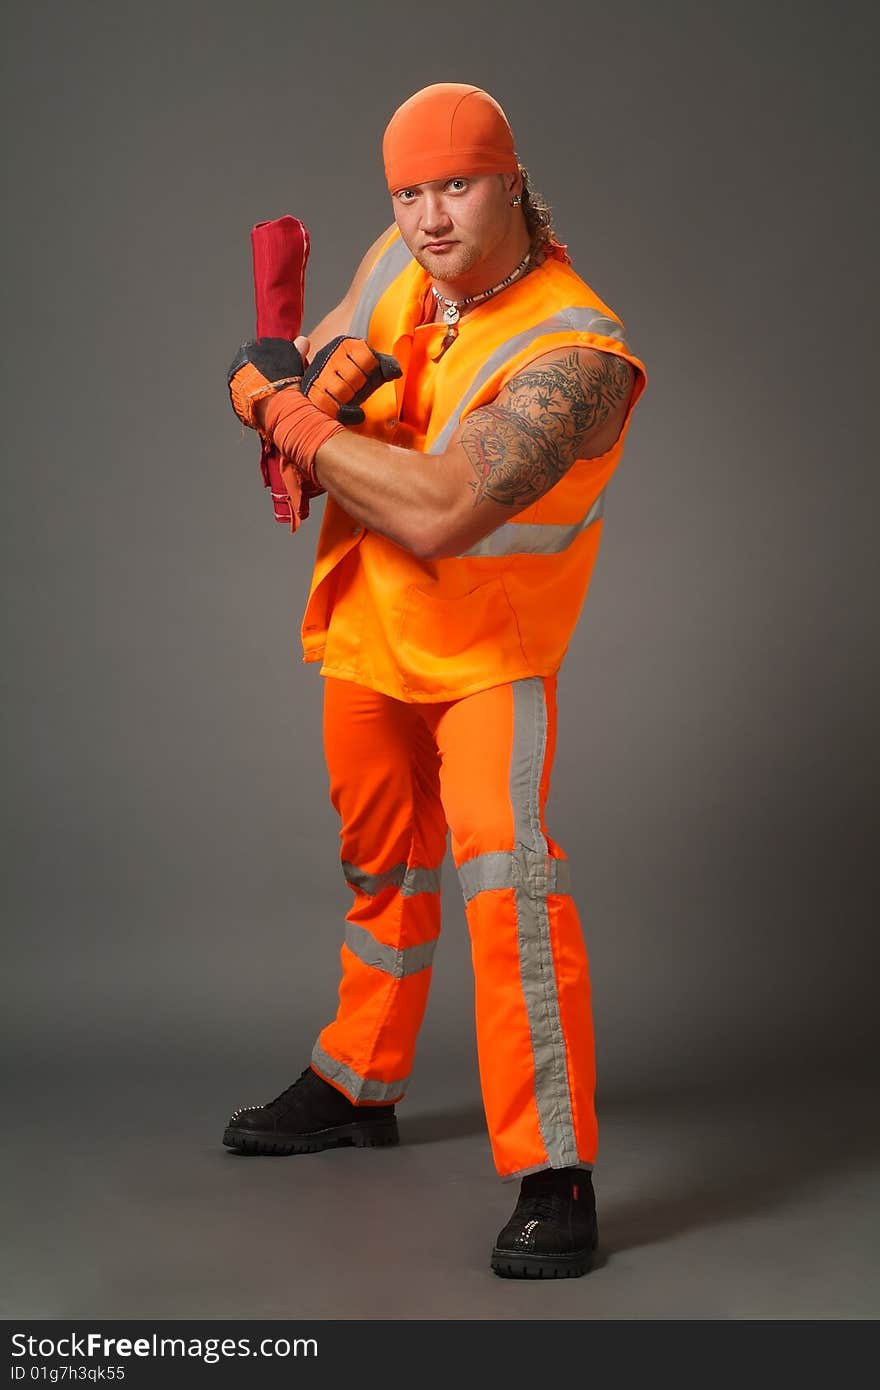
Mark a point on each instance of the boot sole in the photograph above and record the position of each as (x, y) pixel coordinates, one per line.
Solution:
(509, 1265)
(380, 1134)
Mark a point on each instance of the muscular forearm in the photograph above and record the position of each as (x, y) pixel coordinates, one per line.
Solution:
(399, 493)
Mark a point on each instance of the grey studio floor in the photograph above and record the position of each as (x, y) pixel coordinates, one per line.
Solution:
(748, 1200)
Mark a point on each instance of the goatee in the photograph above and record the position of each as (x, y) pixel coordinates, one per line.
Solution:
(449, 267)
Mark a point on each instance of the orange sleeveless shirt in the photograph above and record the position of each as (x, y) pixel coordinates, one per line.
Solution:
(423, 630)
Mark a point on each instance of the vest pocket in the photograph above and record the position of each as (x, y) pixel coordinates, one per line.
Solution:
(447, 645)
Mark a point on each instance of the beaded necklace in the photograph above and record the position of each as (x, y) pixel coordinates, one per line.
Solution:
(452, 307)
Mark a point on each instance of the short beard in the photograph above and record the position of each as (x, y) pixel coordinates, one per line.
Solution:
(448, 268)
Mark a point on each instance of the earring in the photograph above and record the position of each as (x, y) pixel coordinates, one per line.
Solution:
(515, 201)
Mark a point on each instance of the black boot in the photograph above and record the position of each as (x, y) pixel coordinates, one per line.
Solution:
(310, 1115)
(552, 1233)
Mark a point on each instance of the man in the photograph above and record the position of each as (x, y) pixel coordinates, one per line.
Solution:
(461, 526)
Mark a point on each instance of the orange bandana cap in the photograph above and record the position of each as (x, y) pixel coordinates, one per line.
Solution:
(444, 130)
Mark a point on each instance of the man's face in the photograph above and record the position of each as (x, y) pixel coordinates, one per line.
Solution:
(452, 225)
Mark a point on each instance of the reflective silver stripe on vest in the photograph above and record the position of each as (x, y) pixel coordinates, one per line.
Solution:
(537, 971)
(530, 538)
(386, 270)
(574, 320)
(358, 1087)
(501, 869)
(409, 880)
(407, 960)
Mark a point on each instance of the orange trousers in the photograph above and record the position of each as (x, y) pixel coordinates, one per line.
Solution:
(401, 774)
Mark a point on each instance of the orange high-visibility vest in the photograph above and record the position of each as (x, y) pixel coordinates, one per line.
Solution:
(505, 608)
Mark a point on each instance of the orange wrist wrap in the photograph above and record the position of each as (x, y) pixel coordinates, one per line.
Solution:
(297, 428)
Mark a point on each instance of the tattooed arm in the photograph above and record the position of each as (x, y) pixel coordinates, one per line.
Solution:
(567, 405)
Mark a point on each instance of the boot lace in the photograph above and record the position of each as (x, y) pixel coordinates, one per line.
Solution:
(545, 1207)
(287, 1098)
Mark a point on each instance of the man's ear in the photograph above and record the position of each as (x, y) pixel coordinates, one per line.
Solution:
(513, 184)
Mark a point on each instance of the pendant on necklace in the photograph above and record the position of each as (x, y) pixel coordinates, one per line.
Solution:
(450, 313)
(449, 338)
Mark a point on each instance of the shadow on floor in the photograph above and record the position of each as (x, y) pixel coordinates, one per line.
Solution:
(433, 1128)
(736, 1158)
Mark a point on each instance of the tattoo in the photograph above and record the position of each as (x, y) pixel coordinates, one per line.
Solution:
(523, 443)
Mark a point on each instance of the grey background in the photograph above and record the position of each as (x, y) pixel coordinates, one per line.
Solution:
(174, 896)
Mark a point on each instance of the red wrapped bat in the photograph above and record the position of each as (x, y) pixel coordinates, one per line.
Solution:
(280, 250)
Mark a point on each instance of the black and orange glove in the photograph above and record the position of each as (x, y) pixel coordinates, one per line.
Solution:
(343, 374)
(261, 367)
(270, 370)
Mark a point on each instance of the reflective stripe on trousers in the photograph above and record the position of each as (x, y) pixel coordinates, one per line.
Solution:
(400, 774)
